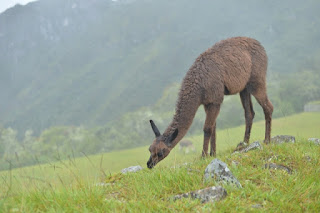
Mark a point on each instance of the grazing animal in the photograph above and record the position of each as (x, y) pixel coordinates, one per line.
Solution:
(231, 66)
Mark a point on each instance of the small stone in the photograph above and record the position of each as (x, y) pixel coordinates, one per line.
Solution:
(315, 140)
(252, 146)
(277, 166)
(219, 171)
(131, 169)
(210, 194)
(257, 206)
(279, 139)
(307, 157)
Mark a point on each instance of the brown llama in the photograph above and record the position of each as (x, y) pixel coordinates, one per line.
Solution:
(231, 66)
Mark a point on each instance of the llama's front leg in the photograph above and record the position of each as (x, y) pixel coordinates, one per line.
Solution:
(207, 131)
(212, 111)
(213, 141)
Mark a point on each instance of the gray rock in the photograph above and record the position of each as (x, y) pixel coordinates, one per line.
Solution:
(315, 140)
(277, 166)
(257, 206)
(219, 171)
(131, 169)
(307, 158)
(252, 146)
(210, 194)
(279, 139)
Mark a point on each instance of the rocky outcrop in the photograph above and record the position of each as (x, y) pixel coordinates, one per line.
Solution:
(252, 146)
(219, 171)
(279, 139)
(315, 140)
(210, 194)
(256, 206)
(243, 147)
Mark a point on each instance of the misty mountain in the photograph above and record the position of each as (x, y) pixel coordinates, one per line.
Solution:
(78, 62)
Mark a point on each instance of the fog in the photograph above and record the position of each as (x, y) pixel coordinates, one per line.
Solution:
(88, 75)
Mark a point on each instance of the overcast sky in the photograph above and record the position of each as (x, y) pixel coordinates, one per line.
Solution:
(5, 4)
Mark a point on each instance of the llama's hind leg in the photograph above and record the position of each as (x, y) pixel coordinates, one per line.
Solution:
(267, 107)
(212, 111)
(248, 112)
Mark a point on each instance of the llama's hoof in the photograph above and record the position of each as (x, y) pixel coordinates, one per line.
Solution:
(212, 154)
(266, 141)
(204, 155)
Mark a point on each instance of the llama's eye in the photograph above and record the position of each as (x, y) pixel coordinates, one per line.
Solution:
(160, 154)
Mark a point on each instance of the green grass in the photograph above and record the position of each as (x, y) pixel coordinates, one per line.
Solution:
(70, 186)
(275, 190)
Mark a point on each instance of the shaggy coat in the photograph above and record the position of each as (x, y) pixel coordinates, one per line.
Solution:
(231, 66)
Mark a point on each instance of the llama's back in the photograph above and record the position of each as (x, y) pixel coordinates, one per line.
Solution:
(242, 60)
(232, 63)
(225, 69)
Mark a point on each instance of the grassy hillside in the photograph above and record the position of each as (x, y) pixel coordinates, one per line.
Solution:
(71, 185)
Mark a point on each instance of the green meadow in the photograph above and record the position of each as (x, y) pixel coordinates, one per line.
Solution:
(94, 184)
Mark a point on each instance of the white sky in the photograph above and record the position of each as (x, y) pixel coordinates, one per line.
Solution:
(5, 4)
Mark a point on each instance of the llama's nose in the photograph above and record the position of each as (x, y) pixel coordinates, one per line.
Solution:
(150, 164)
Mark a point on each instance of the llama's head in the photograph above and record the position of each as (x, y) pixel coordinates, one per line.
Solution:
(161, 146)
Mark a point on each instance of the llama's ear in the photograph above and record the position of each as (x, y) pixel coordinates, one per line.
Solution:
(172, 136)
(155, 129)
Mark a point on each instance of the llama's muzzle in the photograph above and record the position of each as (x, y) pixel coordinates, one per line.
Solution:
(150, 163)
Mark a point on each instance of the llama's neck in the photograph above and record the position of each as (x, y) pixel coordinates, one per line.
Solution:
(186, 108)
